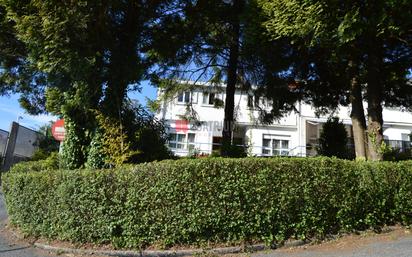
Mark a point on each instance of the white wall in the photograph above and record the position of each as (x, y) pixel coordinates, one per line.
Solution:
(254, 137)
(292, 126)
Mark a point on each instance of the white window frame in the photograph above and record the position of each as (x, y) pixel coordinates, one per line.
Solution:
(270, 149)
(185, 95)
(255, 102)
(187, 142)
(207, 100)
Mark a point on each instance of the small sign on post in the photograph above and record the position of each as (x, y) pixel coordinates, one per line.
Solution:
(58, 130)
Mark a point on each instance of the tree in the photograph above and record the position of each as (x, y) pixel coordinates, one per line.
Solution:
(87, 55)
(207, 36)
(137, 137)
(333, 140)
(220, 40)
(16, 74)
(371, 38)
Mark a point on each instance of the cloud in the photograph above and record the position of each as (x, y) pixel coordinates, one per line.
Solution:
(39, 118)
(31, 121)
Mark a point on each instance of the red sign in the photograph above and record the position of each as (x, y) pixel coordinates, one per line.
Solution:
(58, 130)
(182, 126)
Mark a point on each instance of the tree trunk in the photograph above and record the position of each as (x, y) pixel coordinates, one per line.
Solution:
(374, 97)
(357, 114)
(124, 68)
(228, 122)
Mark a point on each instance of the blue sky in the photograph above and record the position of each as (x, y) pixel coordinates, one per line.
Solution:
(10, 109)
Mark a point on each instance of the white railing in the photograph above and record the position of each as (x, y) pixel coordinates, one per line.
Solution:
(253, 150)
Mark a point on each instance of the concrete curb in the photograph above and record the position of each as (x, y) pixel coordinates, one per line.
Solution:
(151, 253)
(166, 253)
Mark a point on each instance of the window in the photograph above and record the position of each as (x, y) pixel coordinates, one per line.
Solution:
(184, 97)
(209, 98)
(182, 141)
(191, 141)
(266, 150)
(217, 143)
(256, 101)
(279, 147)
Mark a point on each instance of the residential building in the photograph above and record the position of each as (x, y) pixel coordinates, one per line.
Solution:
(295, 134)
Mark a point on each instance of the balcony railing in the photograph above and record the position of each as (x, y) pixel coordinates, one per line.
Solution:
(399, 144)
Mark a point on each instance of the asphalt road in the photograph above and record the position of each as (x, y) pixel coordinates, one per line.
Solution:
(399, 248)
(394, 244)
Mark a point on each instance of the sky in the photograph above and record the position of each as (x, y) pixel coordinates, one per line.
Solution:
(10, 109)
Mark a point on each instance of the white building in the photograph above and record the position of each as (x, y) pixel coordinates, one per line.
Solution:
(294, 135)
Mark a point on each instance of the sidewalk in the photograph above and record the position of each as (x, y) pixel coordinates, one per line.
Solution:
(396, 243)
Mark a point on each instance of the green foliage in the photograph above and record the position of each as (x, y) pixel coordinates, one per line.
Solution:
(210, 200)
(46, 144)
(397, 155)
(233, 151)
(39, 154)
(51, 162)
(14, 72)
(74, 148)
(333, 140)
(96, 156)
(113, 146)
(146, 134)
(151, 144)
(72, 69)
(348, 43)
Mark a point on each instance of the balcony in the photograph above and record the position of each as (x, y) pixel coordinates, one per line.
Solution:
(401, 145)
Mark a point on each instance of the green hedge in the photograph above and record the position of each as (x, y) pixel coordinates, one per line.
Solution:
(210, 200)
(50, 163)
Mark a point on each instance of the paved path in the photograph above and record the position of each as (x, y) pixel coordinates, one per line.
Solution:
(393, 244)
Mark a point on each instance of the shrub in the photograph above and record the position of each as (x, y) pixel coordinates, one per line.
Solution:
(333, 139)
(114, 143)
(210, 200)
(74, 145)
(50, 163)
(46, 144)
(233, 151)
(397, 155)
(147, 134)
(96, 156)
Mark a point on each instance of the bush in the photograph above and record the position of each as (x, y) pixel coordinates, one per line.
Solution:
(397, 155)
(333, 140)
(232, 151)
(46, 144)
(210, 200)
(96, 156)
(50, 163)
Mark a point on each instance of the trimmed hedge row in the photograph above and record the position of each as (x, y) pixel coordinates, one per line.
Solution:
(214, 199)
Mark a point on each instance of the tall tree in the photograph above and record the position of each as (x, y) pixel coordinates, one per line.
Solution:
(90, 53)
(15, 74)
(212, 40)
(363, 36)
(206, 38)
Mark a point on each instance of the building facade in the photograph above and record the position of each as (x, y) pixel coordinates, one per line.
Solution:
(296, 134)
